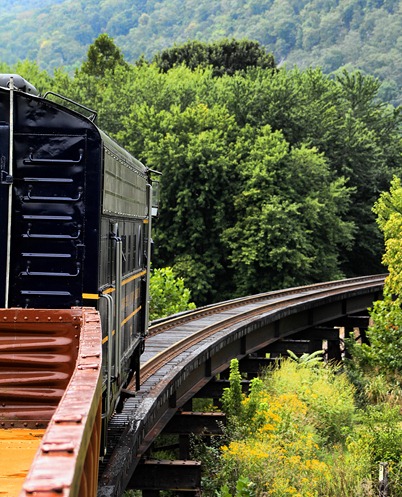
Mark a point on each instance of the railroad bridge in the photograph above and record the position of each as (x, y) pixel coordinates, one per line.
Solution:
(188, 355)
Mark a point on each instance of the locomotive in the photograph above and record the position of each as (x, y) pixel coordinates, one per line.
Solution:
(75, 221)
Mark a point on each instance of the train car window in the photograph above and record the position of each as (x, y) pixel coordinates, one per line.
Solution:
(112, 252)
(128, 251)
(155, 198)
(139, 247)
(124, 253)
(105, 270)
(134, 250)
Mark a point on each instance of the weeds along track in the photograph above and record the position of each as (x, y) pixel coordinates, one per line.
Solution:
(184, 352)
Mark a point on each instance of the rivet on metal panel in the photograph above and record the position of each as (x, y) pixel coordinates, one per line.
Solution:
(88, 366)
(58, 447)
(48, 485)
(95, 354)
(72, 418)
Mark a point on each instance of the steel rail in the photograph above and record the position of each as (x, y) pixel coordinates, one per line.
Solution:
(160, 325)
(287, 298)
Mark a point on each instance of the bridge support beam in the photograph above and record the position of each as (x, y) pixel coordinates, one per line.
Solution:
(179, 476)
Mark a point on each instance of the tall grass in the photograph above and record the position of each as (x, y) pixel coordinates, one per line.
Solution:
(300, 433)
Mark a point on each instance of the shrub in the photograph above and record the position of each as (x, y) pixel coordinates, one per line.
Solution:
(326, 391)
(289, 434)
(168, 294)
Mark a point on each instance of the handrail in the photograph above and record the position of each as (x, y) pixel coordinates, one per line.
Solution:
(62, 97)
(10, 190)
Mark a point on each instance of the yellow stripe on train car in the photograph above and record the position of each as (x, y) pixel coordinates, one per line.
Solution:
(96, 296)
(126, 320)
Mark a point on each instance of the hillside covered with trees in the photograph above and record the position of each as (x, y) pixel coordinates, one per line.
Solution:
(269, 175)
(359, 34)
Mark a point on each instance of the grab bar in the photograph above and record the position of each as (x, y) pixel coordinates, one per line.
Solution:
(28, 272)
(31, 159)
(53, 199)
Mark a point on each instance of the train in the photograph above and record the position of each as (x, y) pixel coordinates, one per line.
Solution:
(75, 221)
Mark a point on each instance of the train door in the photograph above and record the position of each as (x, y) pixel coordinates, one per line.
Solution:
(48, 220)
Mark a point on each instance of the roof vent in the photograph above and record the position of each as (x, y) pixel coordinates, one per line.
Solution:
(19, 82)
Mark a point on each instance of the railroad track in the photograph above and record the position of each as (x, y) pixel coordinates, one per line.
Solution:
(246, 308)
(184, 352)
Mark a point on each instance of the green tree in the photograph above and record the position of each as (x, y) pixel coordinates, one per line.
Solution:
(371, 147)
(289, 217)
(385, 335)
(344, 119)
(94, 83)
(103, 55)
(254, 167)
(225, 56)
(196, 151)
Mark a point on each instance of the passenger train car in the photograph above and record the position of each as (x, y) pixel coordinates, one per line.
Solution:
(75, 221)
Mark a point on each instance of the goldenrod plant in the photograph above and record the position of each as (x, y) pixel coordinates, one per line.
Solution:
(300, 433)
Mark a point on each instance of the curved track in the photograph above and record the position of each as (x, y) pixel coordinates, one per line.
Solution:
(184, 352)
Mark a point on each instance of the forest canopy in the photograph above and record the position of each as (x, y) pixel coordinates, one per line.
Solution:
(334, 34)
(269, 174)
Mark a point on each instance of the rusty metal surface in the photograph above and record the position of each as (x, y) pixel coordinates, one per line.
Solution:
(50, 371)
(67, 460)
(17, 449)
(38, 351)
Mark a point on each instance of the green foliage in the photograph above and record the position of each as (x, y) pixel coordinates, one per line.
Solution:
(312, 359)
(299, 432)
(389, 218)
(292, 435)
(224, 56)
(232, 397)
(103, 55)
(325, 390)
(244, 488)
(210, 457)
(379, 433)
(268, 176)
(168, 294)
(286, 194)
(195, 150)
(331, 35)
(385, 334)
(32, 73)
